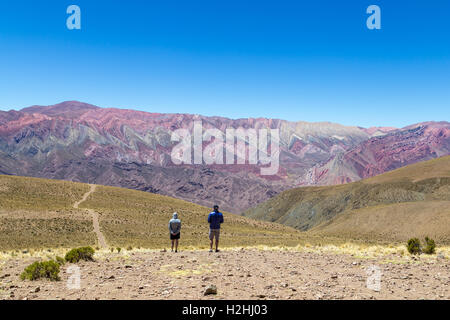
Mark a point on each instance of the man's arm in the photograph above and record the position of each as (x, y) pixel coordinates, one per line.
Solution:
(170, 228)
(221, 218)
(209, 218)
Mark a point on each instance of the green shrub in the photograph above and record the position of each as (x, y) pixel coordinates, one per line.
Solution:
(118, 249)
(46, 269)
(414, 246)
(129, 248)
(430, 247)
(60, 260)
(77, 254)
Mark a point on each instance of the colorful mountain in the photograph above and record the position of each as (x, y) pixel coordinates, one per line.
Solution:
(80, 142)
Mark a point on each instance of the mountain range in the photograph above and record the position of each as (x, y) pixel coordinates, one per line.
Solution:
(80, 142)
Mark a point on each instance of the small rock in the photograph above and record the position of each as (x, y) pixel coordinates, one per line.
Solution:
(211, 289)
(37, 289)
(334, 276)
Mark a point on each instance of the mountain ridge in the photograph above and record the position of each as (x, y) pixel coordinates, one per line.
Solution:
(121, 147)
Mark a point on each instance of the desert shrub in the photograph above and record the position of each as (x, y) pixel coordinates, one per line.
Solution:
(37, 270)
(129, 248)
(60, 260)
(119, 249)
(414, 246)
(77, 254)
(430, 246)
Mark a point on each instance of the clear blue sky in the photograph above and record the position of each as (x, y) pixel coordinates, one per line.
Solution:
(295, 60)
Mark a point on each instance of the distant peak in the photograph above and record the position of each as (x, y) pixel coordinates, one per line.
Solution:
(66, 108)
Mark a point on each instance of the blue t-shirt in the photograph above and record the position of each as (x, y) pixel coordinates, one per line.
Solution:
(215, 219)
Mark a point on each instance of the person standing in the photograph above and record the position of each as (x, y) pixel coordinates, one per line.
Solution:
(215, 219)
(175, 230)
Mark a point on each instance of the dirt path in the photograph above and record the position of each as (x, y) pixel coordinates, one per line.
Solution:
(238, 274)
(85, 196)
(98, 232)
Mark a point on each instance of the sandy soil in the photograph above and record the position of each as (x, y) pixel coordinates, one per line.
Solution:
(237, 274)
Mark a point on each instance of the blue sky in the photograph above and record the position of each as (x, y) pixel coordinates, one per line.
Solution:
(295, 60)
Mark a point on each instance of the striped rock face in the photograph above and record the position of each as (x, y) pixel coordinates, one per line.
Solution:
(81, 142)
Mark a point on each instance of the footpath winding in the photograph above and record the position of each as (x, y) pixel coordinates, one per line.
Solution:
(100, 237)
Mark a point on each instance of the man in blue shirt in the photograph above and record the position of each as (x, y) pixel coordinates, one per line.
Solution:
(215, 218)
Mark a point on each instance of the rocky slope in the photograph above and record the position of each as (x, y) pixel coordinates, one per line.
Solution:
(81, 142)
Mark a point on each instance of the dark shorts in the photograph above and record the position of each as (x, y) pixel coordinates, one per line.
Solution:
(175, 236)
(214, 233)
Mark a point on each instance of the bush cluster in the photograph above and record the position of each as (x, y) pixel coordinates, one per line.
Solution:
(77, 254)
(430, 247)
(37, 270)
(414, 246)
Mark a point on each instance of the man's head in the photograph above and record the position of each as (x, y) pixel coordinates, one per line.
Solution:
(175, 215)
(216, 208)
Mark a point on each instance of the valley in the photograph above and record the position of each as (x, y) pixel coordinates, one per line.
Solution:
(392, 207)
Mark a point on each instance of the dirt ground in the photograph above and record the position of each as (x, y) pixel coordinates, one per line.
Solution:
(237, 274)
